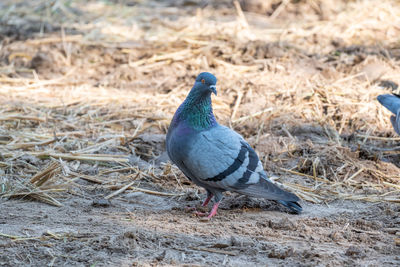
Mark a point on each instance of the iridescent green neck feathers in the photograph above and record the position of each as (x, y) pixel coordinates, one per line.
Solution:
(197, 111)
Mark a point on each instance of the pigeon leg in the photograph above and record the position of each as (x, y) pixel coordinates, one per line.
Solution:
(209, 196)
(214, 210)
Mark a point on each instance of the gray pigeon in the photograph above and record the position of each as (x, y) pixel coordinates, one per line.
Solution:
(392, 103)
(214, 156)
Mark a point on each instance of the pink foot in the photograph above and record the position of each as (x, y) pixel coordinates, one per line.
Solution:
(211, 214)
(200, 213)
(213, 211)
(199, 210)
(205, 203)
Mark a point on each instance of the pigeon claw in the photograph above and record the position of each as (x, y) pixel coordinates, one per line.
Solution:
(200, 214)
(197, 210)
(209, 215)
(202, 210)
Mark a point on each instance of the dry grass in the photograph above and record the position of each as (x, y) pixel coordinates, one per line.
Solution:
(86, 91)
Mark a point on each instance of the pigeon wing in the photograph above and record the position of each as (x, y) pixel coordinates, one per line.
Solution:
(221, 158)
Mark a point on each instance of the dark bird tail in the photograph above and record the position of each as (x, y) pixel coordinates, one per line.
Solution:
(391, 102)
(293, 206)
(267, 189)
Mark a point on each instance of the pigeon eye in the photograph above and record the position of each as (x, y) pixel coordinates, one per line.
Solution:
(203, 81)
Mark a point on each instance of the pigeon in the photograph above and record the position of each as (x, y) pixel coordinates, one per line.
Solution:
(392, 103)
(215, 157)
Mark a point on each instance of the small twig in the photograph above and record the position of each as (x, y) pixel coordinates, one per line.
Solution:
(305, 175)
(122, 189)
(50, 40)
(378, 137)
(40, 195)
(118, 170)
(355, 174)
(87, 157)
(279, 9)
(252, 115)
(349, 78)
(242, 18)
(86, 177)
(95, 147)
(44, 175)
(237, 104)
(224, 252)
(21, 117)
(31, 144)
(154, 192)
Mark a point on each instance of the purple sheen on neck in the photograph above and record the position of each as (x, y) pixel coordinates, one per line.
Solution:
(195, 117)
(177, 117)
(184, 129)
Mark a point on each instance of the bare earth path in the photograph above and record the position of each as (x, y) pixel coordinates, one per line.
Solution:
(152, 230)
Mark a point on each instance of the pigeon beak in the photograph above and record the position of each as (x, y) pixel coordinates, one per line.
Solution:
(213, 89)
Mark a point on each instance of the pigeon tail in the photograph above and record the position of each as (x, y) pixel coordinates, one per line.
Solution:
(293, 206)
(395, 120)
(391, 102)
(267, 189)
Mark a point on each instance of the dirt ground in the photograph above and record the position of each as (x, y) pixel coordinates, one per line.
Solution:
(145, 230)
(87, 91)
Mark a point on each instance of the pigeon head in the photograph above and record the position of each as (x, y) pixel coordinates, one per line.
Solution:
(196, 110)
(205, 84)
